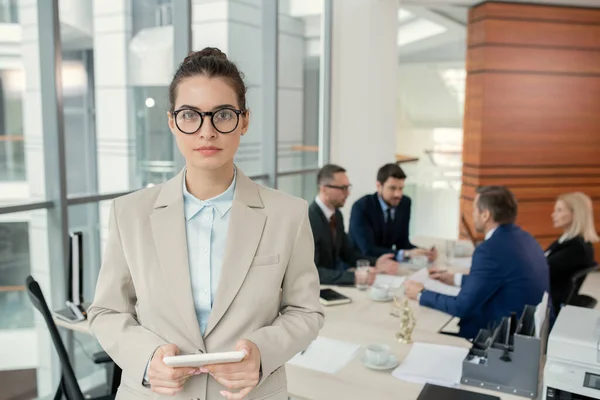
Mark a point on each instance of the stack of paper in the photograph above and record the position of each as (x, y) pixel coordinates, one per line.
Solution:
(432, 363)
(540, 315)
(326, 355)
(433, 285)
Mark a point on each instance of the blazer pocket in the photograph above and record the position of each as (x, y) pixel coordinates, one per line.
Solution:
(261, 261)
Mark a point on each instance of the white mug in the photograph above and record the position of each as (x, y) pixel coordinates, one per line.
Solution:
(380, 291)
(378, 354)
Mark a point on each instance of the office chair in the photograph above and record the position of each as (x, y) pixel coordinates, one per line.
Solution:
(68, 387)
(581, 300)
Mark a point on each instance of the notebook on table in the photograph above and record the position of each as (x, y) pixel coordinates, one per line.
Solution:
(434, 392)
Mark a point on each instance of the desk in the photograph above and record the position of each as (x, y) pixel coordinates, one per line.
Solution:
(81, 327)
(370, 322)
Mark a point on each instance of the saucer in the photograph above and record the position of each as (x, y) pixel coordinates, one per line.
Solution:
(391, 363)
(389, 297)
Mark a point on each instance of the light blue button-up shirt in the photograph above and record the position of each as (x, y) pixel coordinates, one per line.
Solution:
(207, 223)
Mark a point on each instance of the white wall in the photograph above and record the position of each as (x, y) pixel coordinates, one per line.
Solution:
(364, 90)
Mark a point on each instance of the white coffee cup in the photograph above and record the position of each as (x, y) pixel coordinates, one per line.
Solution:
(377, 354)
(380, 291)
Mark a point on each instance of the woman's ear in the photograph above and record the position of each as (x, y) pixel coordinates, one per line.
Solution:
(171, 121)
(245, 122)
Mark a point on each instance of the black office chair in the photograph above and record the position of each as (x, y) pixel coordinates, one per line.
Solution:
(68, 386)
(581, 300)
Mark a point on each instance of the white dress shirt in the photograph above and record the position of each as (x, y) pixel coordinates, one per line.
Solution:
(326, 210)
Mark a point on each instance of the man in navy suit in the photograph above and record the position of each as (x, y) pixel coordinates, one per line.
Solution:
(508, 272)
(379, 222)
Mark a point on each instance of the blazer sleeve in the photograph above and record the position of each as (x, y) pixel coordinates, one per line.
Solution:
(349, 253)
(301, 316)
(363, 232)
(485, 278)
(112, 315)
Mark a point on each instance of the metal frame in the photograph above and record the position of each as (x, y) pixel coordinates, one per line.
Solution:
(54, 153)
(298, 172)
(182, 45)
(325, 84)
(270, 39)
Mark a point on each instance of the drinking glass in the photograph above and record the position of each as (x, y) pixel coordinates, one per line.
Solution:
(361, 274)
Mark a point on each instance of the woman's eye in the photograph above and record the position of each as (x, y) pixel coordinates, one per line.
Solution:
(188, 115)
(224, 115)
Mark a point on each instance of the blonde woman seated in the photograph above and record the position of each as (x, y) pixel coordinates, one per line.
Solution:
(573, 251)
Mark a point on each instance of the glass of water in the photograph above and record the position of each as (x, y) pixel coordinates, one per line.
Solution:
(361, 274)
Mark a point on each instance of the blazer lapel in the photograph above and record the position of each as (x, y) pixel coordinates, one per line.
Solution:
(169, 233)
(246, 226)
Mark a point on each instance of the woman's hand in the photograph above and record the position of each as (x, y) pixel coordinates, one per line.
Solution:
(164, 379)
(242, 376)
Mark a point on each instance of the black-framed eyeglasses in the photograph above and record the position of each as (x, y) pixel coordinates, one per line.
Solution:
(224, 120)
(345, 188)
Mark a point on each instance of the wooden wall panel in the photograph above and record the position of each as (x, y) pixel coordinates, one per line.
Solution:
(523, 59)
(536, 12)
(532, 108)
(491, 31)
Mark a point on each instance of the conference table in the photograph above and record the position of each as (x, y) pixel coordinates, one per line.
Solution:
(364, 322)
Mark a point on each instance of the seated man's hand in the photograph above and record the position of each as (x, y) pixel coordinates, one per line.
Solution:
(386, 264)
(412, 289)
(441, 274)
(431, 254)
(240, 377)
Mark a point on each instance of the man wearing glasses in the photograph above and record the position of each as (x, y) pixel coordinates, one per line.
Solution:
(379, 222)
(335, 255)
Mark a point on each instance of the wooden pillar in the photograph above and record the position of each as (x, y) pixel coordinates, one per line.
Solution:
(532, 110)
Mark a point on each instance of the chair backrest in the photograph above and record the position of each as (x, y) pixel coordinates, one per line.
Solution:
(577, 281)
(71, 387)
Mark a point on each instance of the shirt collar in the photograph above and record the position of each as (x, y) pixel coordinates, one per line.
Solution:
(383, 204)
(490, 233)
(222, 203)
(326, 210)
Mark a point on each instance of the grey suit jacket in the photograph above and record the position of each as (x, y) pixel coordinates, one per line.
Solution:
(268, 291)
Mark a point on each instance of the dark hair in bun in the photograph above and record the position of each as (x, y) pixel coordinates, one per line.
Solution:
(212, 63)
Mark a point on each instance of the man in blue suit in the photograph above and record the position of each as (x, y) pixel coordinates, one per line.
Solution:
(508, 272)
(379, 222)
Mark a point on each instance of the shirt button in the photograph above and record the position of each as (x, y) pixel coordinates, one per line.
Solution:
(206, 250)
(208, 218)
(205, 291)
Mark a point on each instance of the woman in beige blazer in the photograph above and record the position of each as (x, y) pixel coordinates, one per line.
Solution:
(208, 261)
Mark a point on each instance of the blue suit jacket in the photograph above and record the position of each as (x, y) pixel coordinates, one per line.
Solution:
(367, 226)
(509, 271)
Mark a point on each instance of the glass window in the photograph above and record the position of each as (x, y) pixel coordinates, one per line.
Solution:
(299, 57)
(12, 149)
(299, 185)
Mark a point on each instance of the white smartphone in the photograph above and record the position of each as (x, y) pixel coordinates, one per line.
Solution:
(199, 360)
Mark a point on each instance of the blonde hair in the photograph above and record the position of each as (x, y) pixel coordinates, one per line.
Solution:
(580, 205)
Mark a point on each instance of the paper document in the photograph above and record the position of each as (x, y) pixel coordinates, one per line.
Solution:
(432, 285)
(392, 281)
(432, 363)
(540, 315)
(326, 355)
(462, 262)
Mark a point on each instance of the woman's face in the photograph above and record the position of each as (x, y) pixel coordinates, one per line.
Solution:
(562, 217)
(207, 148)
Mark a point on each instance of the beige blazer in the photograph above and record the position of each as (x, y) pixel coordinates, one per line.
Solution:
(144, 299)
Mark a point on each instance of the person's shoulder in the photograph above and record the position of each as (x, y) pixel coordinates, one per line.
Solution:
(138, 202)
(405, 201)
(365, 200)
(281, 204)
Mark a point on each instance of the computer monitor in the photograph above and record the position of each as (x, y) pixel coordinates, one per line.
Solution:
(75, 288)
